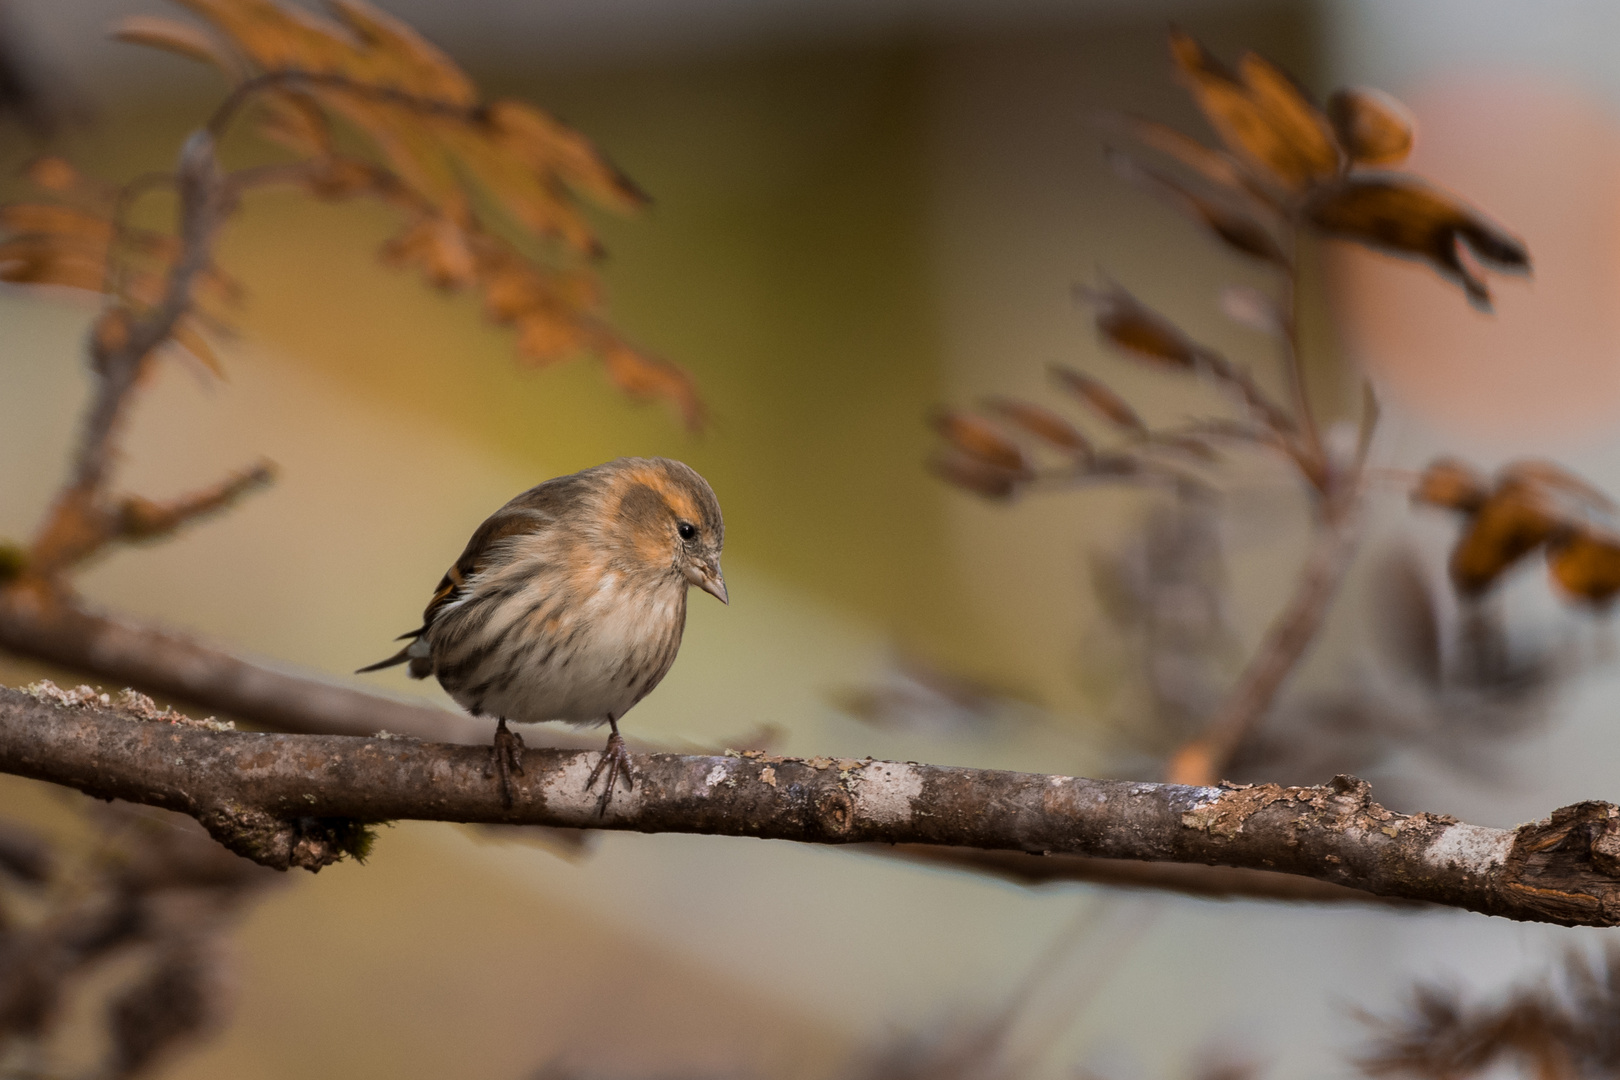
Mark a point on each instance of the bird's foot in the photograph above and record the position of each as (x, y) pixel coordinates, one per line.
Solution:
(616, 760)
(505, 758)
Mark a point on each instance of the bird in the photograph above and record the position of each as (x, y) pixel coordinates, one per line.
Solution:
(569, 603)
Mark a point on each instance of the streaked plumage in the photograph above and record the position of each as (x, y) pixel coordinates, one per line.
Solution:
(569, 601)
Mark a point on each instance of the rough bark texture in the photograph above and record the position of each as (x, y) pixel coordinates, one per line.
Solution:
(289, 800)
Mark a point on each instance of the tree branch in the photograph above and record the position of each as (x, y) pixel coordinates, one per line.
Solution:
(1203, 759)
(178, 667)
(143, 519)
(287, 800)
(183, 669)
(75, 526)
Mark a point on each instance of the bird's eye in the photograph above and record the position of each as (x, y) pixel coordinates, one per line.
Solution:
(686, 529)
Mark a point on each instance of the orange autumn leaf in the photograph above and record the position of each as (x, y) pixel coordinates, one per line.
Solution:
(550, 147)
(1450, 483)
(405, 58)
(1128, 324)
(1587, 565)
(1372, 126)
(294, 120)
(1405, 216)
(1259, 114)
(1509, 525)
(653, 378)
(545, 337)
(438, 248)
(182, 38)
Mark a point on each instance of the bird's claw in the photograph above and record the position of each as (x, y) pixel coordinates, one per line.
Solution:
(505, 758)
(616, 760)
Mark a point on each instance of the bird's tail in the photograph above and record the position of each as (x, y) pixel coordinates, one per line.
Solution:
(416, 650)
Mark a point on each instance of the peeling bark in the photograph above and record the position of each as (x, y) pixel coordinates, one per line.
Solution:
(291, 800)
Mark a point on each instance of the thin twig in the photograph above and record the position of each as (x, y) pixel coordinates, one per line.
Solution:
(1205, 758)
(1314, 464)
(143, 519)
(73, 527)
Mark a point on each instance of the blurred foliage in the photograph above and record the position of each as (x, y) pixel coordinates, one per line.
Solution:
(492, 191)
(1530, 505)
(1567, 1028)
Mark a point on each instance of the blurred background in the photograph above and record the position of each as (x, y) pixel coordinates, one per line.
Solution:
(863, 210)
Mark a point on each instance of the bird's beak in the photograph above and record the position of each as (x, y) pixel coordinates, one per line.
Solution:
(706, 576)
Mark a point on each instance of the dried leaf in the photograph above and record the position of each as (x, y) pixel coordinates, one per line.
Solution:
(53, 219)
(1252, 308)
(1372, 126)
(1100, 399)
(976, 476)
(43, 260)
(1450, 483)
(1510, 524)
(294, 120)
(1587, 565)
(439, 247)
(1237, 228)
(547, 337)
(552, 149)
(182, 38)
(650, 377)
(1041, 422)
(1407, 217)
(1215, 166)
(536, 202)
(978, 438)
(1293, 116)
(513, 286)
(1259, 114)
(408, 144)
(50, 173)
(1128, 324)
(278, 37)
(413, 63)
(341, 178)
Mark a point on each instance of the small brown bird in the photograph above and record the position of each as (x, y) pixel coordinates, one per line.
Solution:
(569, 602)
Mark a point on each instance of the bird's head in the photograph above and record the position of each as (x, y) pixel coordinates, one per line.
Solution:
(670, 520)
